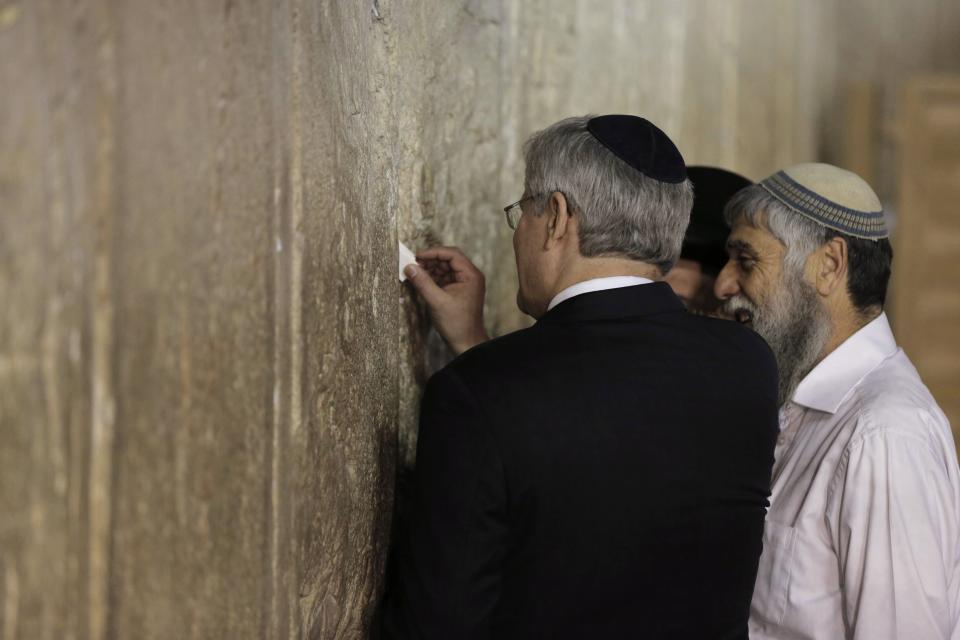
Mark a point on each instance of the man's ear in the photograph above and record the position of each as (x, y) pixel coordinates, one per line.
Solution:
(558, 222)
(831, 266)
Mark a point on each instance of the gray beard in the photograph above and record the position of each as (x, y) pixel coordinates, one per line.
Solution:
(796, 326)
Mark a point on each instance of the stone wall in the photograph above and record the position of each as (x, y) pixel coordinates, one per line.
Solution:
(209, 374)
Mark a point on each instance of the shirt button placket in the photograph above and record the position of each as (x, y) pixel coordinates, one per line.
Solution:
(789, 420)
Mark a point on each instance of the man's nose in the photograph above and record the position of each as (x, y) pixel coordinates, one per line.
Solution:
(726, 285)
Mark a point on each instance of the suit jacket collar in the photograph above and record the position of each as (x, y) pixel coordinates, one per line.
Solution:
(616, 304)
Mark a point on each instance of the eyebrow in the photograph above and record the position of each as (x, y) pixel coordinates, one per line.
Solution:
(741, 246)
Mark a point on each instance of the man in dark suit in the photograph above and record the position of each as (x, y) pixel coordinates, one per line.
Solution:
(571, 482)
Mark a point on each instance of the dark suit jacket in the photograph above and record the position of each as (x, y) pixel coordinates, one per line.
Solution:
(602, 474)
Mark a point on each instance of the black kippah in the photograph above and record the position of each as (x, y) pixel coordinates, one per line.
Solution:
(707, 234)
(641, 145)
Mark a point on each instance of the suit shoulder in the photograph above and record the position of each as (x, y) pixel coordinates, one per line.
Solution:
(493, 354)
(736, 337)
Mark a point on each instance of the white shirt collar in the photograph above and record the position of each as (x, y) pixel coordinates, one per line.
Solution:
(596, 284)
(829, 383)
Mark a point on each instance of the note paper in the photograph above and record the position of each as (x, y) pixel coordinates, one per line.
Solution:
(406, 257)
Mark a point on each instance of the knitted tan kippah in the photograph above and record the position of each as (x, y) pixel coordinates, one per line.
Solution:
(830, 196)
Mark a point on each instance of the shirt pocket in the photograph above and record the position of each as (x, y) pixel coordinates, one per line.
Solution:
(773, 574)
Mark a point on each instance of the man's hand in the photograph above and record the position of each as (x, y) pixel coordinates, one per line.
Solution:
(453, 289)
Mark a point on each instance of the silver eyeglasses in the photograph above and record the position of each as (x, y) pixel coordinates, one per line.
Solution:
(514, 211)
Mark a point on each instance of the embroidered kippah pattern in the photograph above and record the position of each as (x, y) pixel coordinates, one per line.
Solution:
(862, 224)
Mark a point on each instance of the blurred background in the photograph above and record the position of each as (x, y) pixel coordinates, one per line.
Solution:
(209, 374)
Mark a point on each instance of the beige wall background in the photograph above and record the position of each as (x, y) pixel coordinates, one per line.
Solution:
(209, 374)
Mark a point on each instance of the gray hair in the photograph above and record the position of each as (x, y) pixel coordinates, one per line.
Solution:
(621, 211)
(801, 236)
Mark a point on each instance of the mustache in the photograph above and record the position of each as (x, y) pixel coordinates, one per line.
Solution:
(737, 306)
(738, 303)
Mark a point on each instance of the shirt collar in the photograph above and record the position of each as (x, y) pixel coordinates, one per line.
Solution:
(596, 284)
(828, 384)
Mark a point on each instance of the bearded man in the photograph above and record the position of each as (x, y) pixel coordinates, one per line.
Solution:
(862, 538)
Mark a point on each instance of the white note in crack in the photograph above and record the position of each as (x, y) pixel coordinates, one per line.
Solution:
(406, 257)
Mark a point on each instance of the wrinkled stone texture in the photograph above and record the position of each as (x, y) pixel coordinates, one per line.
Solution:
(209, 374)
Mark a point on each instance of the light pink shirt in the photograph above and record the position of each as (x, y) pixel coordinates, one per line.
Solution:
(862, 538)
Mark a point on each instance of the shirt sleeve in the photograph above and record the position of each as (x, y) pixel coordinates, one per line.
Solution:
(451, 556)
(891, 515)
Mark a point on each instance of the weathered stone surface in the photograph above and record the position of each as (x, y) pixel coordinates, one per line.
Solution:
(209, 375)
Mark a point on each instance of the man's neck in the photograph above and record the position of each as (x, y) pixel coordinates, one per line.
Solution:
(844, 326)
(591, 268)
